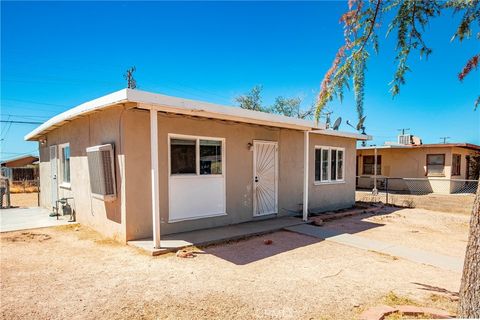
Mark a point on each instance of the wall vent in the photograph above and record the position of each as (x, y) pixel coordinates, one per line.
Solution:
(101, 169)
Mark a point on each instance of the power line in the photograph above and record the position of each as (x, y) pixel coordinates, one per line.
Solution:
(20, 122)
(23, 115)
(37, 102)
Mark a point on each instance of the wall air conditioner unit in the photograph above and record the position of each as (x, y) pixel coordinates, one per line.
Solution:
(101, 169)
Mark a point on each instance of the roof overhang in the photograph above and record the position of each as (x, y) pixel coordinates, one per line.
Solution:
(432, 145)
(336, 133)
(159, 102)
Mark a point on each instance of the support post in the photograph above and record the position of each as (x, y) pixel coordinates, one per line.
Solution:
(154, 176)
(306, 146)
(375, 190)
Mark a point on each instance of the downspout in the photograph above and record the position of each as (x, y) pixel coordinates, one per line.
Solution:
(306, 146)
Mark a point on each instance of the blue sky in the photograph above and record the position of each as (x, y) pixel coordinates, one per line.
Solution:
(56, 55)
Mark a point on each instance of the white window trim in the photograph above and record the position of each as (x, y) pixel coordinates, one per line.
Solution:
(329, 171)
(197, 156)
(197, 174)
(63, 184)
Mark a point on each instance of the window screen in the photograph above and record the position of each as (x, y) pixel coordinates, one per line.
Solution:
(456, 160)
(318, 162)
(339, 164)
(324, 164)
(333, 165)
(66, 164)
(210, 157)
(435, 164)
(369, 164)
(183, 156)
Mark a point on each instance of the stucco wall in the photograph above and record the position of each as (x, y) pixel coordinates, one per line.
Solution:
(99, 128)
(411, 162)
(335, 195)
(129, 216)
(239, 171)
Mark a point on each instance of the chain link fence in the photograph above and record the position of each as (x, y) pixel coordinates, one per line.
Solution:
(452, 195)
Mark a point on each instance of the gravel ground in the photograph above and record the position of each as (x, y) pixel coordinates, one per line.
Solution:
(63, 273)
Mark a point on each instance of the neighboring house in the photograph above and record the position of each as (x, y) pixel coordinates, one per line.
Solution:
(436, 164)
(139, 164)
(20, 168)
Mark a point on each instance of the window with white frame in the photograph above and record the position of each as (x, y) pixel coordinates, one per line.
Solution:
(329, 164)
(65, 163)
(196, 156)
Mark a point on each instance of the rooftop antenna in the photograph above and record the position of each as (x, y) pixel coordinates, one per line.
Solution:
(403, 130)
(131, 82)
(337, 123)
(444, 139)
(327, 118)
(360, 127)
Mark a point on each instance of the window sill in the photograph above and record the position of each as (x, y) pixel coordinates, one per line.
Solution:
(320, 183)
(66, 186)
(196, 218)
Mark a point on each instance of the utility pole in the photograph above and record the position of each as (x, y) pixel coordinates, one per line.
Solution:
(444, 139)
(403, 130)
(131, 82)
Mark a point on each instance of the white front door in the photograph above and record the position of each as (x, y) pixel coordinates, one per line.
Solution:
(265, 178)
(53, 174)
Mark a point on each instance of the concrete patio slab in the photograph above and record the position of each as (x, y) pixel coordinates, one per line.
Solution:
(15, 219)
(205, 237)
(412, 254)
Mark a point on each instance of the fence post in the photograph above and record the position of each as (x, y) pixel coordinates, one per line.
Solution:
(8, 193)
(386, 190)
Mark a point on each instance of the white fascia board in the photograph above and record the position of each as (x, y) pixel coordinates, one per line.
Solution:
(201, 108)
(383, 147)
(102, 102)
(148, 100)
(343, 134)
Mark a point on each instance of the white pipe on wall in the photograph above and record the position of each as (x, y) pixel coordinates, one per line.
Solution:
(154, 176)
(306, 147)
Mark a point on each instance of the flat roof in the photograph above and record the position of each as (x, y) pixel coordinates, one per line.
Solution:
(428, 145)
(147, 100)
(344, 134)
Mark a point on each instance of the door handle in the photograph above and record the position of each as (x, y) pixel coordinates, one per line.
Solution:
(256, 179)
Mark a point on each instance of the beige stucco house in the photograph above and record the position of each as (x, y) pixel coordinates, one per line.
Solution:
(138, 164)
(444, 167)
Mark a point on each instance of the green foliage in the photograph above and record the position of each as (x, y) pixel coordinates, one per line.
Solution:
(289, 107)
(409, 21)
(251, 100)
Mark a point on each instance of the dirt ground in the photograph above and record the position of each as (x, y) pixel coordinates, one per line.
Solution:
(73, 273)
(24, 199)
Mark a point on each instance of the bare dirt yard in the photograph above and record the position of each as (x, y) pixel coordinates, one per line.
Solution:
(456, 203)
(24, 200)
(73, 273)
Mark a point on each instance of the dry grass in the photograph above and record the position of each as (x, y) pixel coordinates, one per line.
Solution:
(392, 299)
(24, 199)
(23, 187)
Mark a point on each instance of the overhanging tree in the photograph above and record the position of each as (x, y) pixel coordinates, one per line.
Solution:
(408, 21)
(290, 107)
